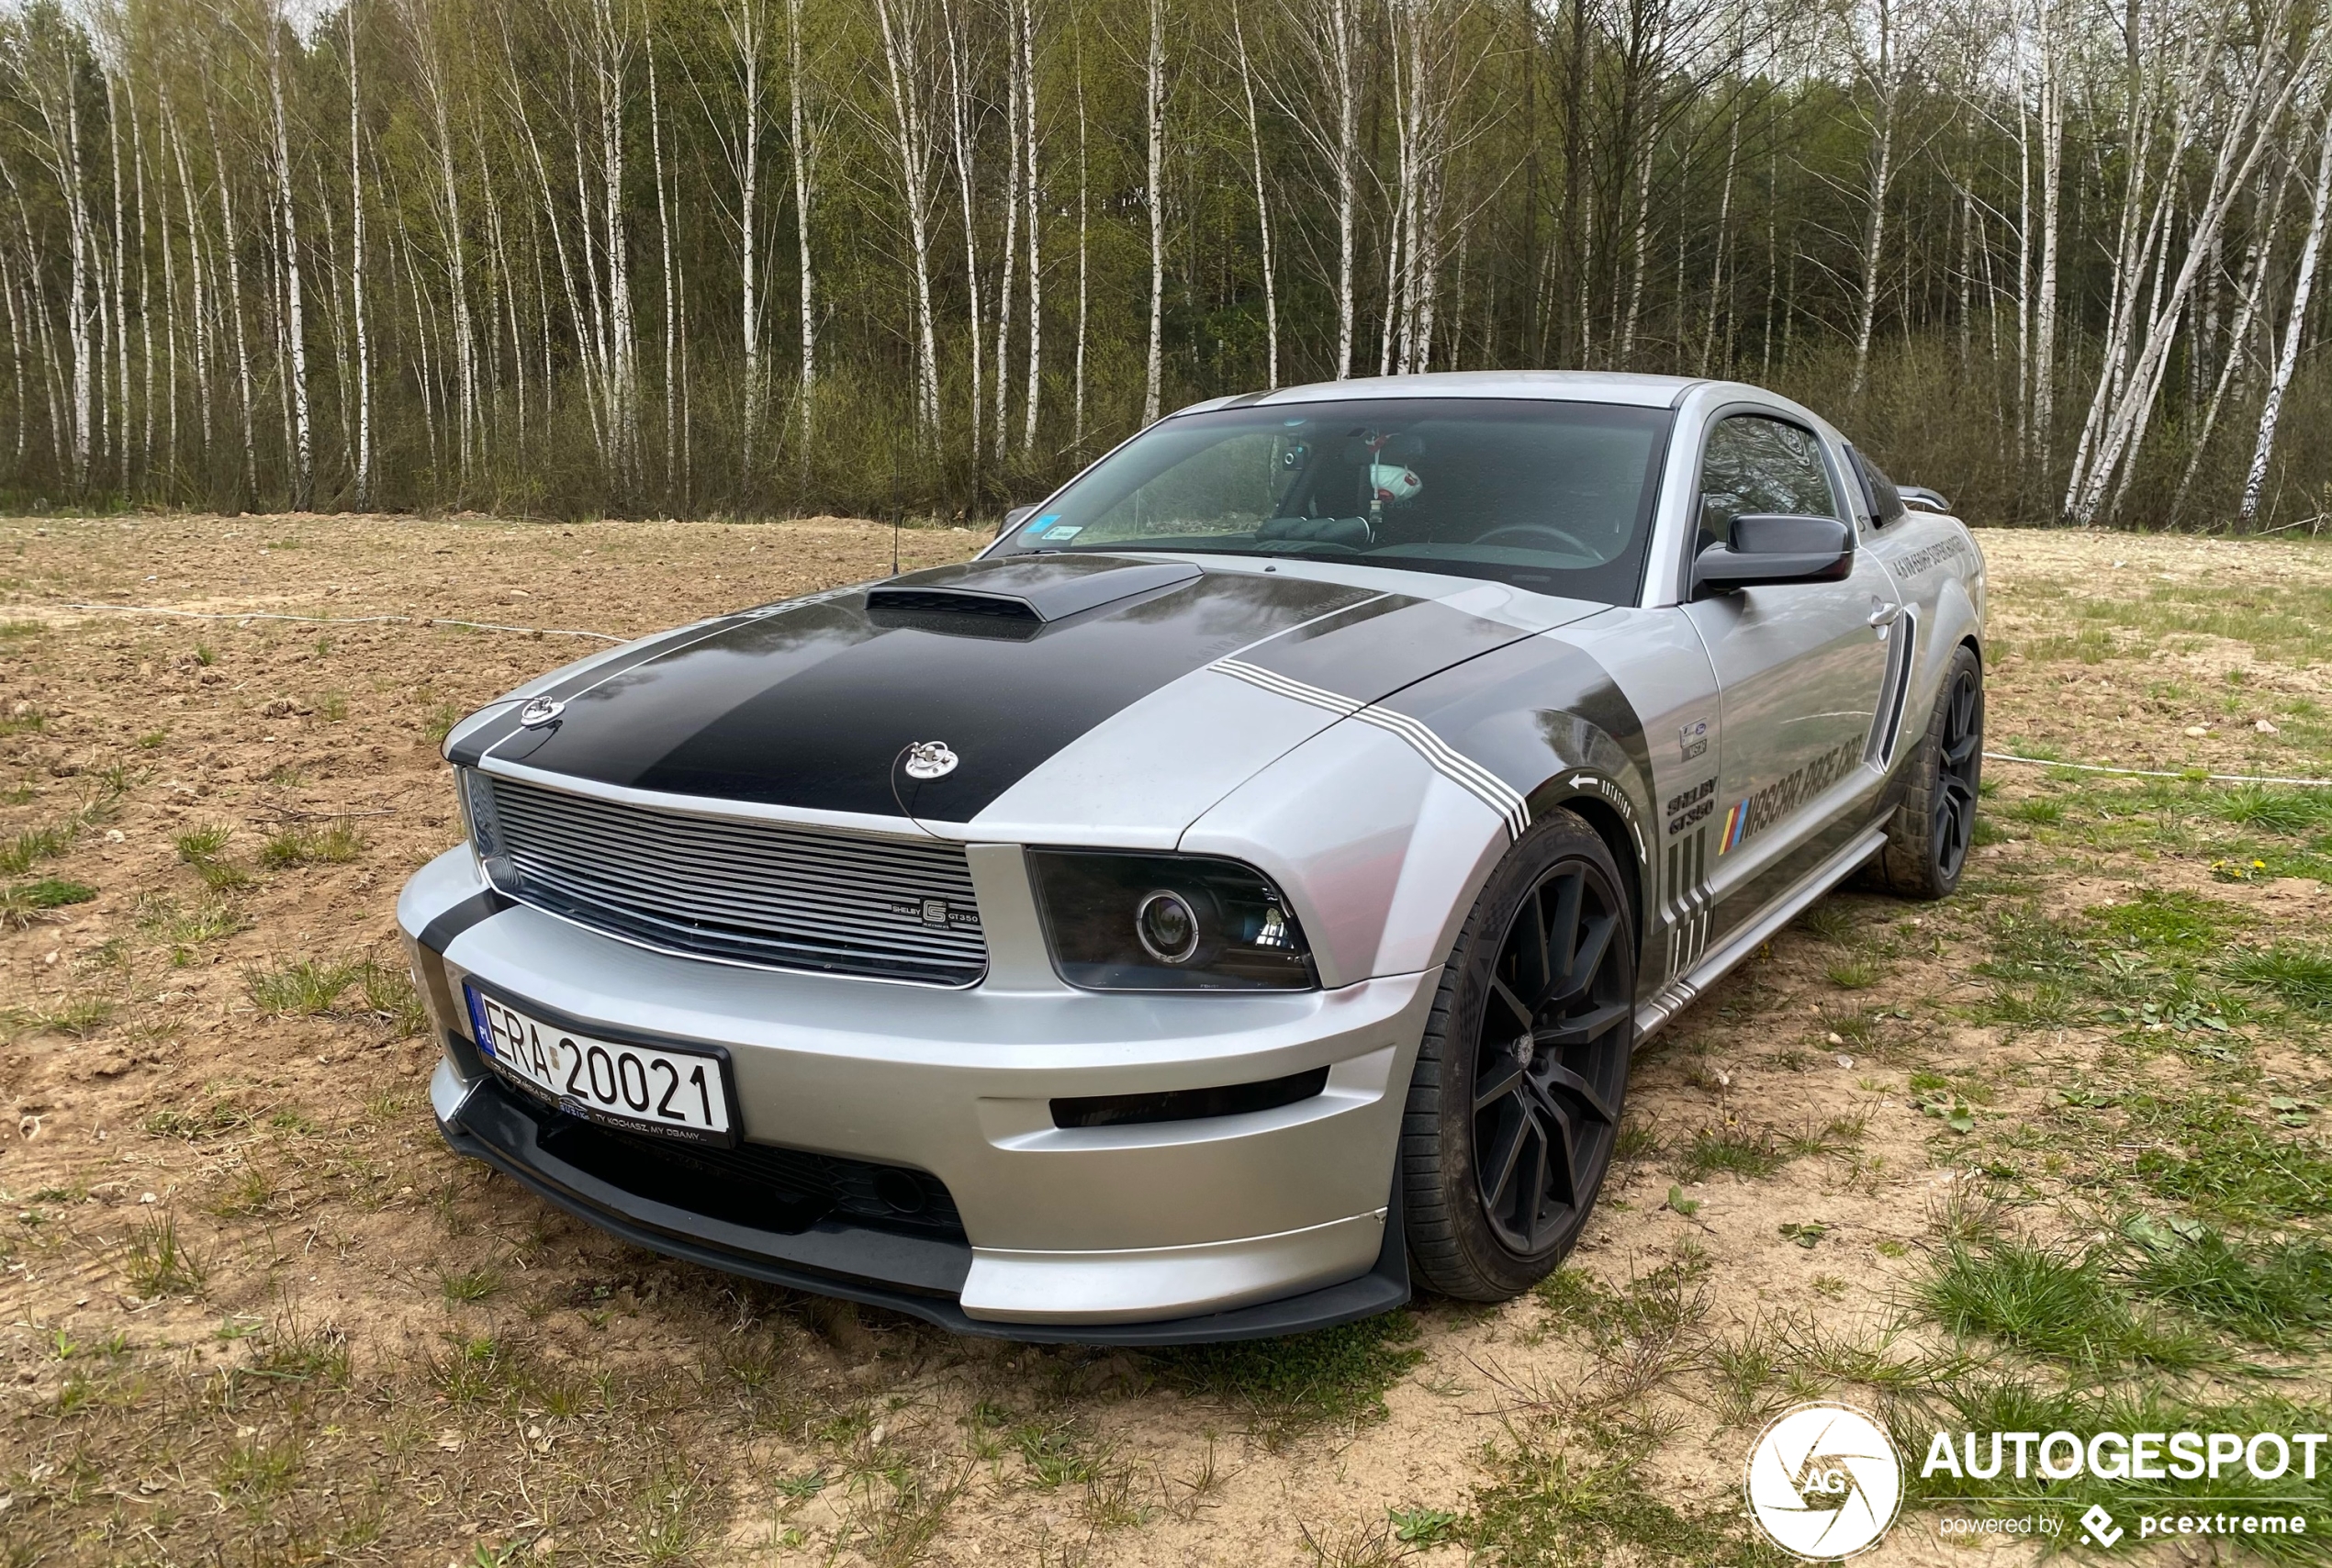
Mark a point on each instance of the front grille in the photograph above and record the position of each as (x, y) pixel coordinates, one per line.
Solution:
(747, 892)
(757, 1184)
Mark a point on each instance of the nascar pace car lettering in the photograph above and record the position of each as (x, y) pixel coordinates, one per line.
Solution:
(1754, 814)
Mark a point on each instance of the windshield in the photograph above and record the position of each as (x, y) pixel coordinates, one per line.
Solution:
(1551, 497)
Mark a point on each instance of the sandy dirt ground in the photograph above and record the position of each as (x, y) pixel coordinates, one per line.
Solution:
(254, 1312)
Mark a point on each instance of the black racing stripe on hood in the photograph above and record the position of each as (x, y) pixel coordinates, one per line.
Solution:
(1377, 648)
(813, 706)
(500, 735)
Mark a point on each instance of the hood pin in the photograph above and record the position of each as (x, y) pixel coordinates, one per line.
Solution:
(930, 759)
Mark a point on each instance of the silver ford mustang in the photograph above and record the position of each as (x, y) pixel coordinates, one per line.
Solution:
(1229, 903)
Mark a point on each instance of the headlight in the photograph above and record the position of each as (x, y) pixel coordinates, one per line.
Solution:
(1168, 922)
(476, 794)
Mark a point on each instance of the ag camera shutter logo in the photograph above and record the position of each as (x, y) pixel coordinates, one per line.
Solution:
(1824, 1480)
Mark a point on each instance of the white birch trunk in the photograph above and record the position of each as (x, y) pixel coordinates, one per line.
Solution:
(1881, 163)
(1084, 192)
(961, 134)
(1033, 191)
(804, 156)
(2303, 282)
(295, 311)
(1262, 202)
(911, 146)
(1154, 100)
(363, 475)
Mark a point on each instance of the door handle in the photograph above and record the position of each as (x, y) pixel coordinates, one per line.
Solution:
(1885, 614)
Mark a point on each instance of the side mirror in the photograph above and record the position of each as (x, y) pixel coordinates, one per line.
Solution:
(1923, 499)
(1776, 547)
(1013, 519)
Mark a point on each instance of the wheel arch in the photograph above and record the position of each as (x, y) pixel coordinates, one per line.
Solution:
(1612, 828)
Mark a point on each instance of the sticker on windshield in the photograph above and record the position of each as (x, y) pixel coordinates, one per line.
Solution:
(1039, 524)
(1065, 532)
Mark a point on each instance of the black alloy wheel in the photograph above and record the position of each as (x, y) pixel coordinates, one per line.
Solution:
(1959, 766)
(1929, 836)
(1514, 1112)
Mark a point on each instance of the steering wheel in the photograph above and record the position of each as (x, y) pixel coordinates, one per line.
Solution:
(1496, 534)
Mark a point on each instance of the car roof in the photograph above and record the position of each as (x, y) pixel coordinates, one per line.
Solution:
(1553, 385)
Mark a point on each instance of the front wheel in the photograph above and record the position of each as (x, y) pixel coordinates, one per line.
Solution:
(1514, 1110)
(1934, 827)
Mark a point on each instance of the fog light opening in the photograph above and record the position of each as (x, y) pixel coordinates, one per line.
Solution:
(901, 1191)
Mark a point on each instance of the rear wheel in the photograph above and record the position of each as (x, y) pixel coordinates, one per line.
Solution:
(1514, 1109)
(1934, 827)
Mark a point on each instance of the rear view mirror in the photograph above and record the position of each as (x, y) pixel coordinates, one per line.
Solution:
(1776, 547)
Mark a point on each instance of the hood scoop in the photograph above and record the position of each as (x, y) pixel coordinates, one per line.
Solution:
(1028, 591)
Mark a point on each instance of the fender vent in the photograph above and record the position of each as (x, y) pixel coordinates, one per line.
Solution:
(1902, 642)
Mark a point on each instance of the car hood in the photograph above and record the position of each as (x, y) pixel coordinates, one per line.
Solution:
(1070, 689)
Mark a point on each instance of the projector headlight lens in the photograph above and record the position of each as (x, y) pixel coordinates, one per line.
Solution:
(1121, 922)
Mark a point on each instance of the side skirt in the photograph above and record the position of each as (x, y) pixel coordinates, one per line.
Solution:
(1683, 991)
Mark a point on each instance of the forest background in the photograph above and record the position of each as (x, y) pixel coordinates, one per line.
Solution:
(747, 257)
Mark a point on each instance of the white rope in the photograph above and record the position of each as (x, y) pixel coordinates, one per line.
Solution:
(340, 619)
(2152, 773)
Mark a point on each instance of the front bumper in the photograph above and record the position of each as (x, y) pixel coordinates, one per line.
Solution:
(1257, 1223)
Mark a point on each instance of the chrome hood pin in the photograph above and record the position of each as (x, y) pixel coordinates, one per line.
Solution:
(540, 712)
(930, 759)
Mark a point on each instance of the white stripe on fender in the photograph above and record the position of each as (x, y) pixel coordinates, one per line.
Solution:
(1439, 754)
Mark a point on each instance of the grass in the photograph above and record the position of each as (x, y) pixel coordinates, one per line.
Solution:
(2159, 921)
(2276, 1294)
(31, 845)
(200, 846)
(1289, 1386)
(2052, 1303)
(23, 902)
(1552, 1504)
(1749, 1153)
(462, 1286)
(2207, 1152)
(335, 845)
(160, 1264)
(220, 1117)
(186, 929)
(338, 987)
(80, 1016)
(2297, 976)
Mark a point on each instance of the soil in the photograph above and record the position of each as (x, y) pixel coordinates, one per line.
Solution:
(296, 1162)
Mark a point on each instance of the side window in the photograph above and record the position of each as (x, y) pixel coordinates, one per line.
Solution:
(1886, 501)
(1752, 463)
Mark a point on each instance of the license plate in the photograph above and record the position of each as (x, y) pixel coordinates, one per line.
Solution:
(680, 1095)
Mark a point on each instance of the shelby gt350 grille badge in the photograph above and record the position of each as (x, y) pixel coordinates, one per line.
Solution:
(930, 759)
(540, 712)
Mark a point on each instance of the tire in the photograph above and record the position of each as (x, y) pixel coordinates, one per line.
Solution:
(1491, 1202)
(1934, 828)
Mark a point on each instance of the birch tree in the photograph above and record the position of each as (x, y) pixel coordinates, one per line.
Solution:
(2303, 283)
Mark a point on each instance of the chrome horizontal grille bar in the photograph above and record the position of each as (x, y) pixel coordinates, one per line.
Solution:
(745, 893)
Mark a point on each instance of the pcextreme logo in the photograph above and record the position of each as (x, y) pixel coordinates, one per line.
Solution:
(1824, 1482)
